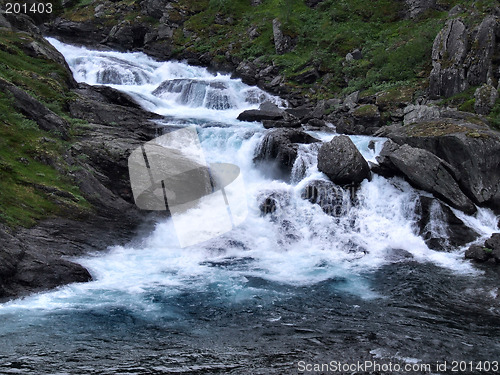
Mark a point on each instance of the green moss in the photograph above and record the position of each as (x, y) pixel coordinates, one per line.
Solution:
(367, 110)
(467, 106)
(435, 128)
(396, 95)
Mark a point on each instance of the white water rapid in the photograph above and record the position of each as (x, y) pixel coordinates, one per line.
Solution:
(303, 246)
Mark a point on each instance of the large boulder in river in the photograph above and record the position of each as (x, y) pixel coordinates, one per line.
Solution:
(267, 111)
(426, 171)
(473, 149)
(341, 161)
(279, 147)
(271, 116)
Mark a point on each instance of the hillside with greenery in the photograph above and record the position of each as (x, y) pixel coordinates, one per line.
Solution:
(395, 45)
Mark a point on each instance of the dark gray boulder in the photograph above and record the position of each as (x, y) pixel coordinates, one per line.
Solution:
(471, 148)
(477, 253)
(440, 227)
(267, 111)
(449, 51)
(489, 252)
(341, 161)
(126, 36)
(426, 171)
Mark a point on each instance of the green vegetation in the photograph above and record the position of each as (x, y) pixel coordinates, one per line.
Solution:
(395, 51)
(34, 180)
(495, 115)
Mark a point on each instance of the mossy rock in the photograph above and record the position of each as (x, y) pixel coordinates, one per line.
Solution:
(366, 110)
(435, 128)
(395, 97)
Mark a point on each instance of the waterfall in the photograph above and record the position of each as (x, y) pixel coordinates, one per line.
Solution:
(306, 245)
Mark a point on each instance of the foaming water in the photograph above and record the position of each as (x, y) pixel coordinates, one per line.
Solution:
(299, 245)
(296, 283)
(167, 88)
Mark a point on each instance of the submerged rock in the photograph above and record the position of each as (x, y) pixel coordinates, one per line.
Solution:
(341, 161)
(327, 195)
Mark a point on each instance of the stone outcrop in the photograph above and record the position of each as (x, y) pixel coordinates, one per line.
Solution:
(472, 149)
(417, 7)
(448, 56)
(283, 43)
(479, 59)
(341, 161)
(485, 96)
(462, 58)
(32, 109)
(489, 252)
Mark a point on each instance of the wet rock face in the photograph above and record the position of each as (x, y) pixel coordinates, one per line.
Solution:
(430, 173)
(341, 161)
(327, 195)
(439, 226)
(472, 150)
(279, 147)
